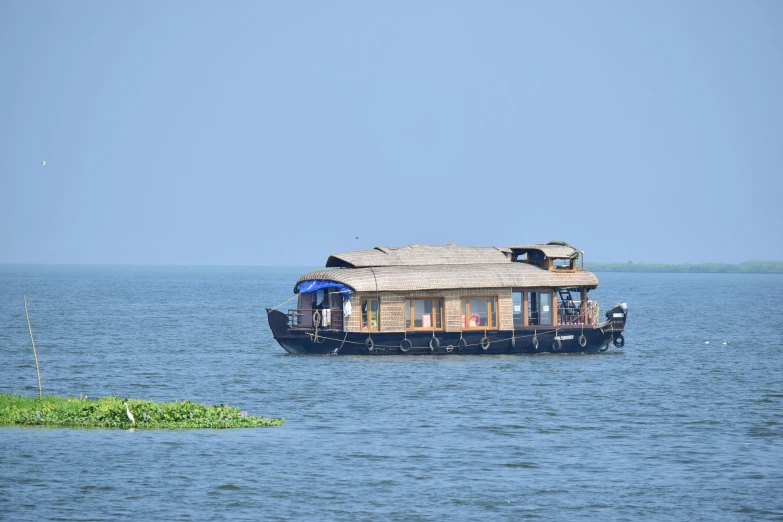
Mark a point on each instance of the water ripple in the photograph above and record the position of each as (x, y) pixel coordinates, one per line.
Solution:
(669, 428)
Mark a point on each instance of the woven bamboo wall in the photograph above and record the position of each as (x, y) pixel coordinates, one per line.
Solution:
(393, 307)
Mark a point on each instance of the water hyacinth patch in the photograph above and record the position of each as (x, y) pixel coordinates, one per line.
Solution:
(109, 412)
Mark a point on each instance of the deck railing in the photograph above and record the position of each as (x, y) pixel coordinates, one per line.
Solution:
(333, 320)
(329, 318)
(571, 313)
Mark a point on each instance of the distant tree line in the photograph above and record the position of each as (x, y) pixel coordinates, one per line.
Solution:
(748, 267)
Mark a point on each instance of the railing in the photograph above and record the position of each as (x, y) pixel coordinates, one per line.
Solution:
(571, 313)
(331, 319)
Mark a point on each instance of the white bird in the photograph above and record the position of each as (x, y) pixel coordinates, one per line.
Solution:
(130, 415)
(43, 163)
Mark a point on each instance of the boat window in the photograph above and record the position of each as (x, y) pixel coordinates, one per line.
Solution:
(423, 313)
(564, 264)
(369, 314)
(539, 308)
(336, 300)
(479, 313)
(516, 308)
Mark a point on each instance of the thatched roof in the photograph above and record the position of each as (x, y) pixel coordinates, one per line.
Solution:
(437, 277)
(553, 249)
(449, 254)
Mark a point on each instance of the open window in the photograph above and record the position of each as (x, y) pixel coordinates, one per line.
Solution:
(564, 264)
(533, 257)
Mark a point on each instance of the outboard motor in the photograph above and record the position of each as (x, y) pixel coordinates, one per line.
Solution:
(617, 316)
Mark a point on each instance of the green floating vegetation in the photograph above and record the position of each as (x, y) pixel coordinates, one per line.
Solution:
(110, 412)
(748, 267)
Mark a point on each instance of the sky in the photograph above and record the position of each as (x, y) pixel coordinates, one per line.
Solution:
(277, 133)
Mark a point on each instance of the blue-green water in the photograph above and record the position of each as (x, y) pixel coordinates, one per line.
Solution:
(669, 428)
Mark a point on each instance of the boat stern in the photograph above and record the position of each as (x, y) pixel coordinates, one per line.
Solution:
(616, 318)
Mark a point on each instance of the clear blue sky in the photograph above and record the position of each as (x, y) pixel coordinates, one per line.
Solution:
(277, 132)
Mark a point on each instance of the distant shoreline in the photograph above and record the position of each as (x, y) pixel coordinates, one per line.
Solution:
(748, 267)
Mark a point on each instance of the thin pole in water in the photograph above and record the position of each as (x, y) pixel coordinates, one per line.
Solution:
(40, 392)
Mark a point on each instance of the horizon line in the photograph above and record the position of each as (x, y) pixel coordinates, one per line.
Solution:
(5, 263)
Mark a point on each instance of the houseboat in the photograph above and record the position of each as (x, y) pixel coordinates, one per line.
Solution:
(448, 299)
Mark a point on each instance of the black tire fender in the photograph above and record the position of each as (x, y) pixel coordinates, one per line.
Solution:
(534, 343)
(405, 345)
(557, 345)
(369, 344)
(434, 343)
(485, 343)
(461, 344)
(582, 341)
(619, 341)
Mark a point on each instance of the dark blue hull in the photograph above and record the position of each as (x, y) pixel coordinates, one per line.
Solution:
(528, 340)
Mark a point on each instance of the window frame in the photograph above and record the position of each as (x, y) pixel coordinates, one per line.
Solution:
(409, 308)
(490, 299)
(522, 321)
(369, 327)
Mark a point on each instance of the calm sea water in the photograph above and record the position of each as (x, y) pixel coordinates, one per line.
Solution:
(669, 428)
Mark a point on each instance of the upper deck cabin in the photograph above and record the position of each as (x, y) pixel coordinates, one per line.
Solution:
(448, 288)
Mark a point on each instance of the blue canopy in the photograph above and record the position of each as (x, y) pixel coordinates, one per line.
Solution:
(311, 285)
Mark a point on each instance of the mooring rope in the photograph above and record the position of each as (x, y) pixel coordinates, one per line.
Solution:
(341, 344)
(284, 302)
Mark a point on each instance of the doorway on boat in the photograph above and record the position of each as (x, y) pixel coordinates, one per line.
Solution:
(328, 302)
(539, 311)
(569, 310)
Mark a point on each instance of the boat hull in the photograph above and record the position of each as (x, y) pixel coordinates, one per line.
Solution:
(526, 340)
